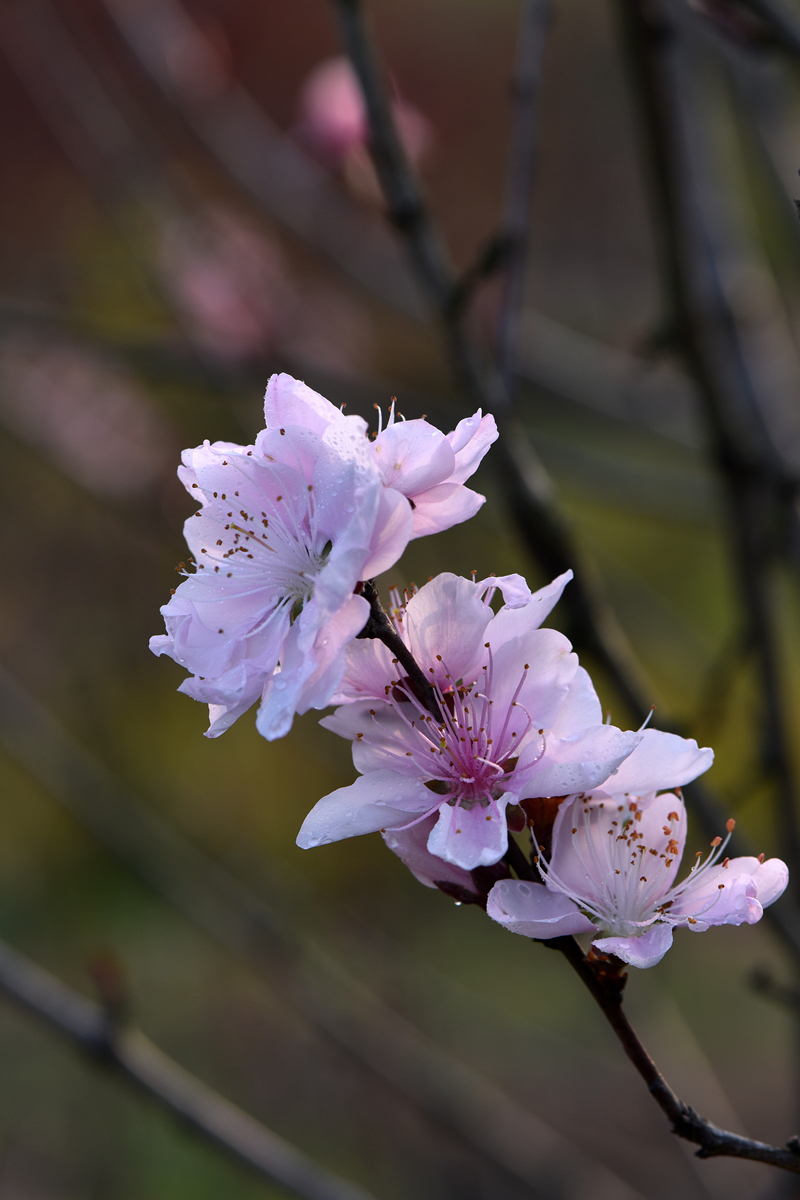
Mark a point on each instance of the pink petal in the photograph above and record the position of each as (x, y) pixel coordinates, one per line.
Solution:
(445, 627)
(533, 911)
(376, 801)
(394, 528)
(581, 708)
(443, 506)
(644, 951)
(411, 846)
(469, 838)
(516, 592)
(470, 440)
(521, 614)
(574, 765)
(772, 878)
(661, 760)
(413, 456)
(289, 401)
(551, 666)
(582, 861)
(732, 895)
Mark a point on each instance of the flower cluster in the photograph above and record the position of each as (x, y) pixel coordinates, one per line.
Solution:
(287, 529)
(469, 721)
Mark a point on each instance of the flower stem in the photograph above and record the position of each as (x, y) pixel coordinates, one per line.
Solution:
(379, 626)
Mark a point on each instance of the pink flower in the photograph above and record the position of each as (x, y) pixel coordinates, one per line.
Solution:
(616, 853)
(286, 530)
(414, 457)
(518, 718)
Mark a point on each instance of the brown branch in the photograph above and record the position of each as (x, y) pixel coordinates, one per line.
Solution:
(337, 1005)
(604, 977)
(515, 228)
(379, 626)
(528, 489)
(749, 463)
(132, 1055)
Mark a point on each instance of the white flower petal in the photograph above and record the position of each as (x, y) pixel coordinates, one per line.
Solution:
(644, 951)
(533, 911)
(469, 838)
(380, 800)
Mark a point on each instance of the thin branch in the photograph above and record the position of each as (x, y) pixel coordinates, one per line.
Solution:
(515, 229)
(603, 977)
(379, 626)
(525, 482)
(137, 1059)
(706, 328)
(510, 1139)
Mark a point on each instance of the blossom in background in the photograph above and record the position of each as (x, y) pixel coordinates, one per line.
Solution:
(413, 457)
(616, 853)
(286, 530)
(85, 413)
(518, 717)
(333, 121)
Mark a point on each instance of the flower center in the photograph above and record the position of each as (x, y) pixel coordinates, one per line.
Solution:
(466, 757)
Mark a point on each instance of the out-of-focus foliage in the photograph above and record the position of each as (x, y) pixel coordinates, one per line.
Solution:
(145, 300)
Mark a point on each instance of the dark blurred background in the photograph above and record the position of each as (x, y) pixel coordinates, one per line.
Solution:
(181, 215)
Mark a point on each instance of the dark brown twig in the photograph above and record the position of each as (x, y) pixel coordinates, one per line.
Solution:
(198, 1106)
(603, 976)
(706, 332)
(379, 626)
(526, 87)
(337, 1005)
(525, 482)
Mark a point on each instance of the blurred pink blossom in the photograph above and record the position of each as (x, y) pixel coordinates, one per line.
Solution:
(84, 412)
(228, 281)
(332, 120)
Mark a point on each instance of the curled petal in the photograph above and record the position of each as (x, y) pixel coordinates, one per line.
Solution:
(470, 440)
(732, 895)
(533, 911)
(643, 951)
(523, 613)
(443, 506)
